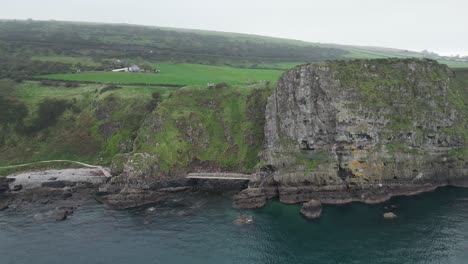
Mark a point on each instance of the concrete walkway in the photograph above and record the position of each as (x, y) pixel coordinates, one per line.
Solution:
(104, 171)
(219, 176)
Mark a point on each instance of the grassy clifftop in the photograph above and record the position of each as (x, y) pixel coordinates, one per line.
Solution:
(194, 127)
(89, 123)
(218, 128)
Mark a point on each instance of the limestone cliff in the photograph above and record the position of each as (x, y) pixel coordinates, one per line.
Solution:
(366, 130)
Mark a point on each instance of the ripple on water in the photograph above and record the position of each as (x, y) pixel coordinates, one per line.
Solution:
(431, 228)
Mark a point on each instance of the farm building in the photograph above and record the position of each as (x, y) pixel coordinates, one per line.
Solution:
(133, 68)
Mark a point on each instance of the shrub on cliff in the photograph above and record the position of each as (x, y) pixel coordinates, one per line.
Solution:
(48, 113)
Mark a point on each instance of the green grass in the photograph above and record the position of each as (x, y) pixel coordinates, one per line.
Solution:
(180, 74)
(455, 64)
(78, 133)
(381, 54)
(86, 61)
(221, 126)
(274, 65)
(33, 92)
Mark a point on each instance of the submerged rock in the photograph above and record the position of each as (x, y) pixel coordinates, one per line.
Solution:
(61, 215)
(390, 215)
(312, 209)
(4, 205)
(244, 220)
(57, 214)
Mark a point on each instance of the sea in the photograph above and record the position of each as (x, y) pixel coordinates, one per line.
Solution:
(430, 228)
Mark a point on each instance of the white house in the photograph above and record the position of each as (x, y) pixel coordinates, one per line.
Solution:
(121, 70)
(133, 68)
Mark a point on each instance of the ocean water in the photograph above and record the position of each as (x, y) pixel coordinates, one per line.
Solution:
(431, 228)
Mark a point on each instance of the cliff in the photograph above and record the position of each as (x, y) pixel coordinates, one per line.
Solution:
(196, 129)
(366, 130)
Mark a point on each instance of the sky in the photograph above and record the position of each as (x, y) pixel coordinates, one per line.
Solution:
(440, 26)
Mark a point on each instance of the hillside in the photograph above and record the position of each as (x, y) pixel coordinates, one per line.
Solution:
(60, 98)
(30, 48)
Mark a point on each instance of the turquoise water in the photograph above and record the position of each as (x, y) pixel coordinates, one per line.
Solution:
(431, 228)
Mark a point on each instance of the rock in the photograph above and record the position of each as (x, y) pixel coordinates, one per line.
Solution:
(70, 209)
(118, 163)
(52, 178)
(131, 198)
(390, 215)
(4, 205)
(312, 209)
(4, 184)
(324, 128)
(67, 194)
(175, 189)
(17, 187)
(244, 220)
(57, 214)
(249, 198)
(58, 184)
(62, 213)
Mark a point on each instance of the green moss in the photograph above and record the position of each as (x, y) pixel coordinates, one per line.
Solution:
(221, 126)
(78, 132)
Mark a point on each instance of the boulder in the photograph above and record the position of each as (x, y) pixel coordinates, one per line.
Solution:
(17, 187)
(62, 213)
(3, 205)
(390, 215)
(4, 185)
(67, 194)
(57, 214)
(312, 209)
(249, 198)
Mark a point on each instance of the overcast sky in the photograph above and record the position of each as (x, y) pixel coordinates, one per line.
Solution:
(436, 25)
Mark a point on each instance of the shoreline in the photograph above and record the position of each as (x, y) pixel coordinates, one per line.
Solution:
(71, 188)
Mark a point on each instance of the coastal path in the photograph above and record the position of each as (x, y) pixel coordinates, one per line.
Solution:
(104, 171)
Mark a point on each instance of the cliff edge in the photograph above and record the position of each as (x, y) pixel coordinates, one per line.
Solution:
(365, 130)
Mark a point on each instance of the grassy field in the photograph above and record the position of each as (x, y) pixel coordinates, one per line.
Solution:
(32, 92)
(275, 65)
(375, 54)
(87, 61)
(454, 64)
(172, 73)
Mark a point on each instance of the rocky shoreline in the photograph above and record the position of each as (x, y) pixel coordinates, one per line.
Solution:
(62, 191)
(57, 192)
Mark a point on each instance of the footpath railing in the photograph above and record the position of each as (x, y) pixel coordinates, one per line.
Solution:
(218, 176)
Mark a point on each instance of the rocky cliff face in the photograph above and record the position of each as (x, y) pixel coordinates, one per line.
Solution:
(196, 129)
(366, 130)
